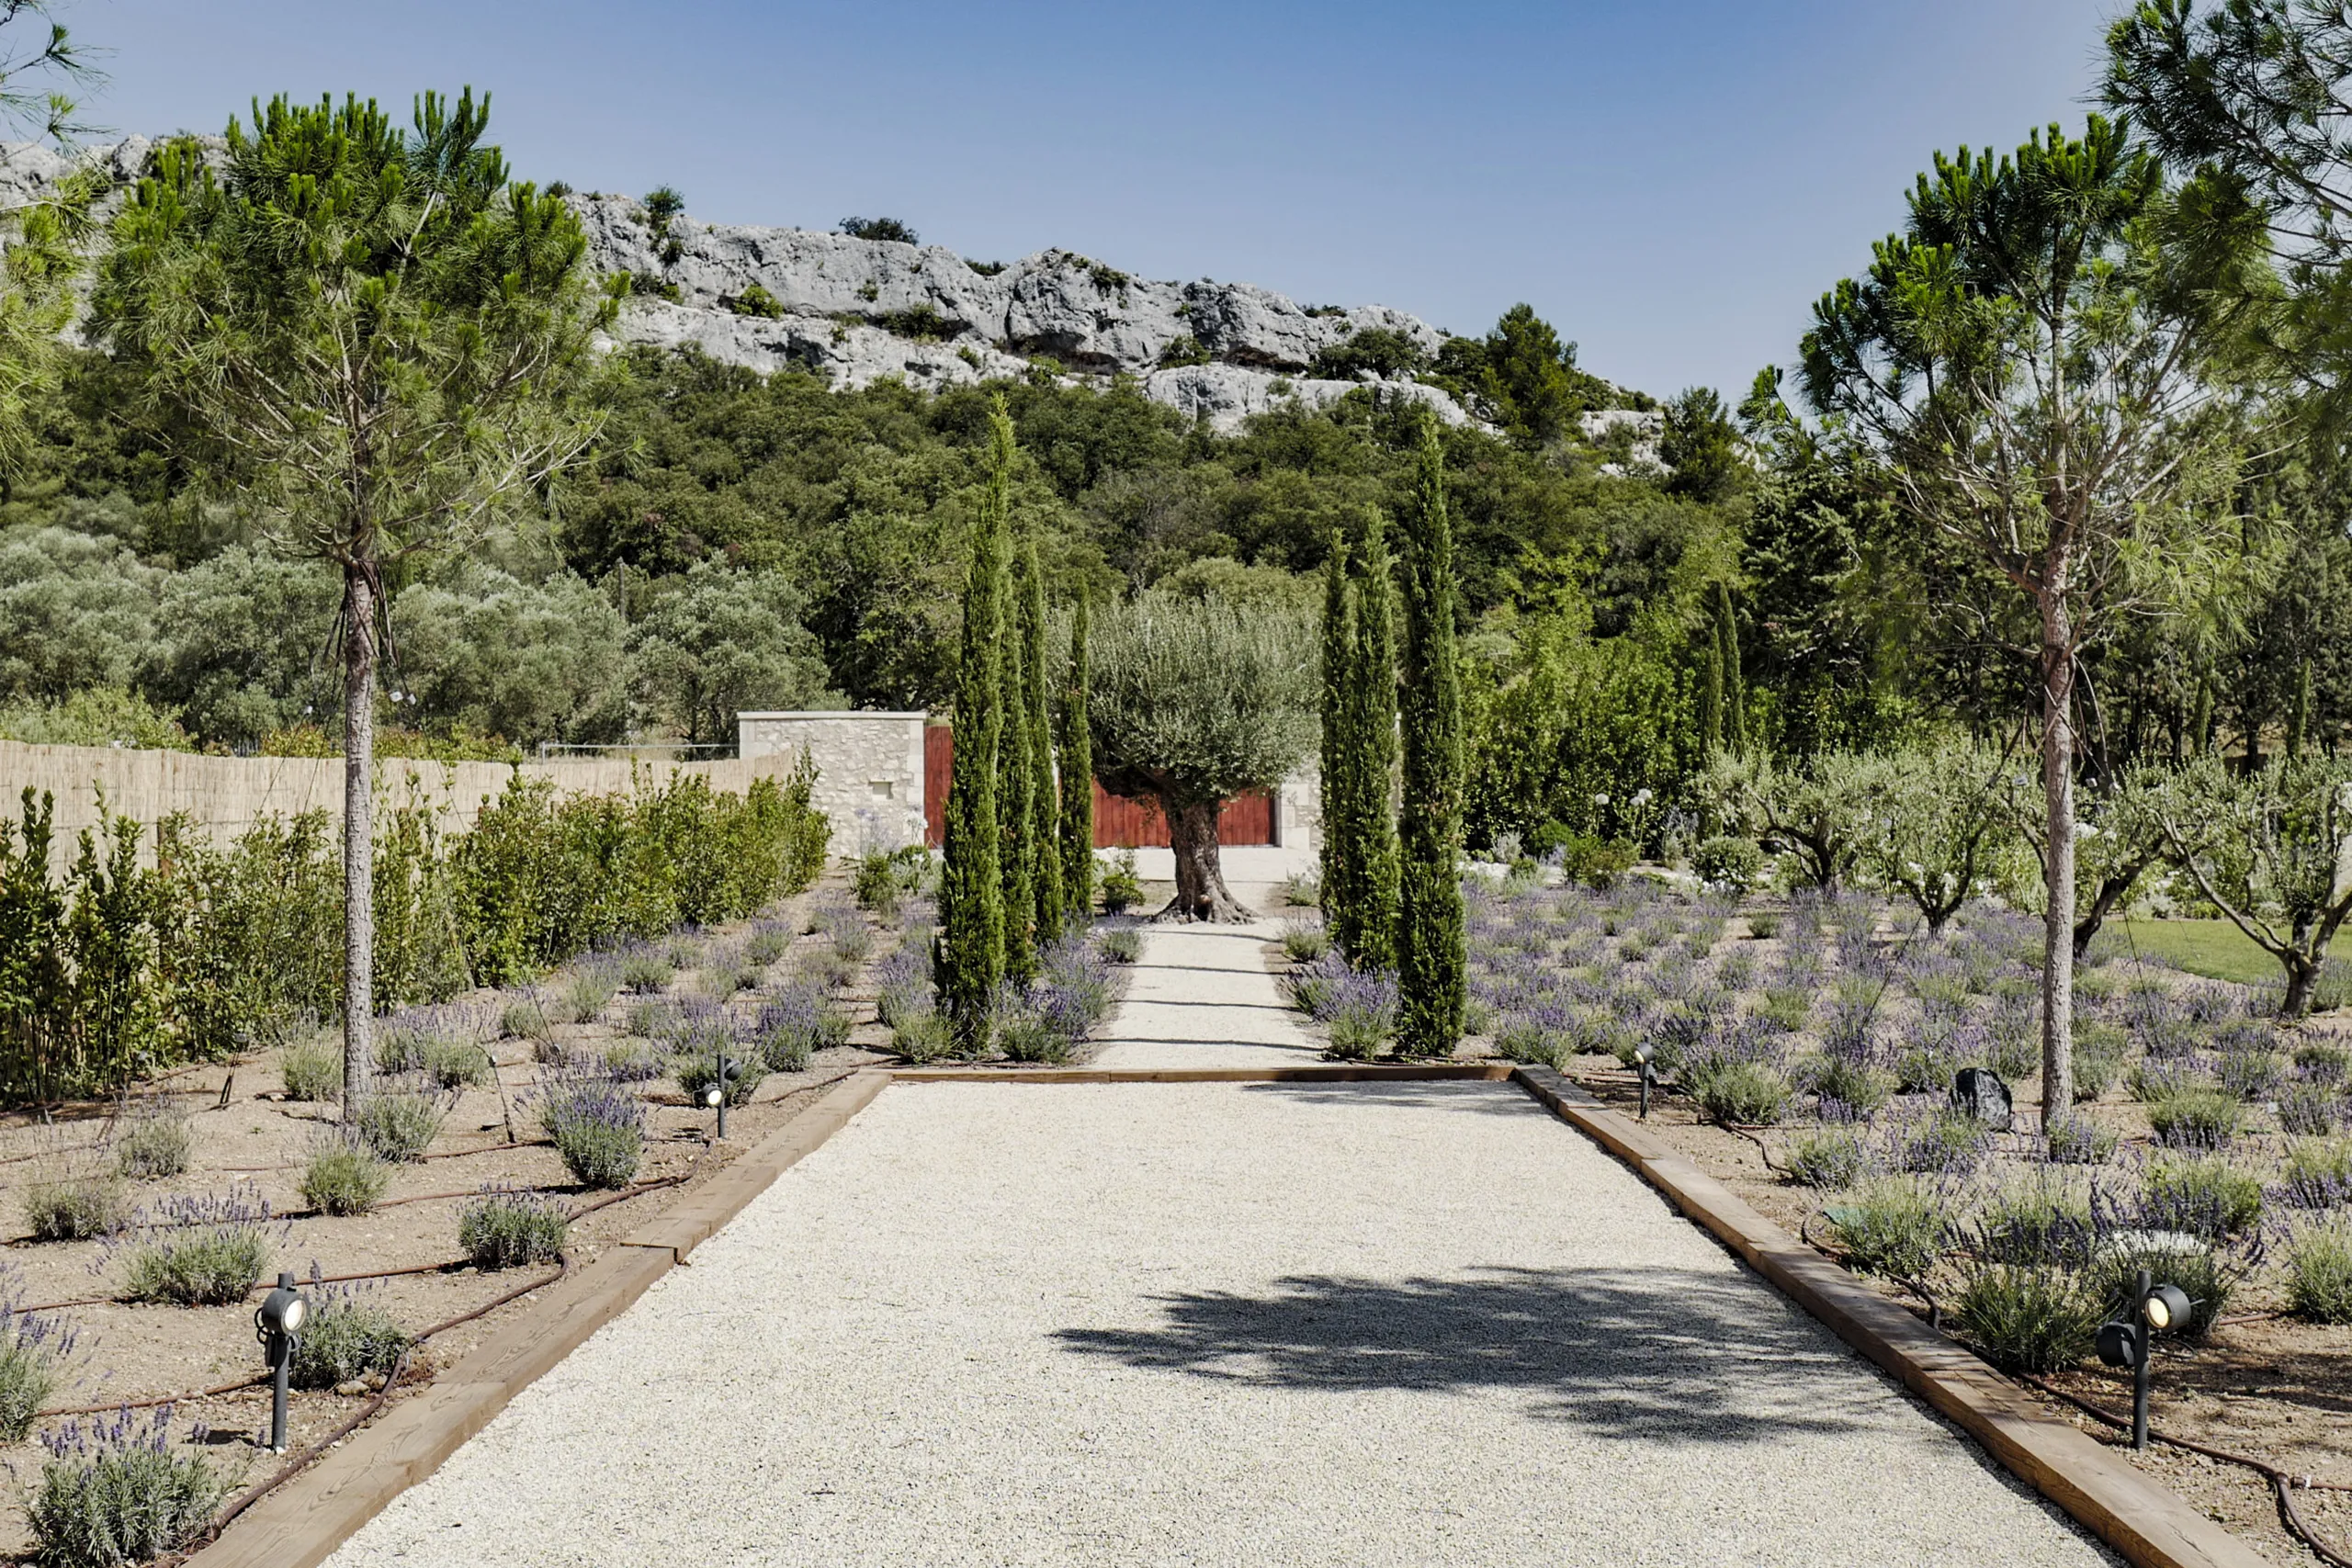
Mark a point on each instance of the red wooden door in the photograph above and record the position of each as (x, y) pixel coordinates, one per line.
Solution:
(1120, 821)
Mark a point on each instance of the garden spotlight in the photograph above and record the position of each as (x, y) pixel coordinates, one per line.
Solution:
(2127, 1341)
(277, 1323)
(716, 1096)
(1642, 1060)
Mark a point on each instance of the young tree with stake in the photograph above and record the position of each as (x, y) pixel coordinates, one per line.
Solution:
(370, 335)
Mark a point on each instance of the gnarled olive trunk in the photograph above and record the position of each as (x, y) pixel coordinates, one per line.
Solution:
(1201, 893)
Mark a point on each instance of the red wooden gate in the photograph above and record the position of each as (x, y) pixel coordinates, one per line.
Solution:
(1120, 821)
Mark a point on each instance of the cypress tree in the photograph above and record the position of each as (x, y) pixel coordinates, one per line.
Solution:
(1431, 954)
(1077, 778)
(1710, 693)
(970, 957)
(1045, 805)
(1337, 754)
(1372, 680)
(1735, 683)
(1016, 782)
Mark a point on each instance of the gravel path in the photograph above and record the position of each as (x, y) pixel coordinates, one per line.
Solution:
(1200, 996)
(1342, 1325)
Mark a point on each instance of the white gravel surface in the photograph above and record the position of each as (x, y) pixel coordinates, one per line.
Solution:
(1200, 996)
(1342, 1325)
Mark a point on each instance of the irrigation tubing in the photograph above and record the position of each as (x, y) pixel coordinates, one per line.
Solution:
(2282, 1485)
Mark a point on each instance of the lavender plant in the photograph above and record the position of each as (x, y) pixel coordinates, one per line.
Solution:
(2310, 1109)
(644, 970)
(2318, 1174)
(2319, 1270)
(1360, 1013)
(399, 1123)
(156, 1140)
(598, 1126)
(35, 1352)
(506, 1228)
(112, 1492)
(310, 1066)
(199, 1250)
(802, 1021)
(346, 1337)
(343, 1175)
(2072, 1138)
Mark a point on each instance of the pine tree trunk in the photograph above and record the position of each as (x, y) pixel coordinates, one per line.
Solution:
(358, 837)
(2058, 797)
(1201, 893)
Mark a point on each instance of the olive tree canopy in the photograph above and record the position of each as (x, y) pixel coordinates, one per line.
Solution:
(1194, 702)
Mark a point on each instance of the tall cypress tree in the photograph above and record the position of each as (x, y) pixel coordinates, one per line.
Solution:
(1076, 777)
(1373, 738)
(970, 957)
(1015, 782)
(1431, 954)
(1710, 692)
(1735, 685)
(1337, 754)
(1045, 805)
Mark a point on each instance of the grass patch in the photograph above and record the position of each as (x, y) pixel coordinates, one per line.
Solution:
(2215, 949)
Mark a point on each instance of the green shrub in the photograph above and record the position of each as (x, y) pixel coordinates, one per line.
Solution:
(399, 1124)
(113, 1493)
(2318, 1173)
(586, 990)
(645, 970)
(1303, 942)
(2098, 1060)
(33, 1353)
(453, 1062)
(2203, 1198)
(525, 1020)
(1763, 925)
(2026, 1318)
(2319, 1270)
(2036, 1224)
(158, 1142)
(766, 945)
(1122, 888)
(200, 1251)
(921, 1039)
(2197, 1118)
(344, 1175)
(1848, 1082)
(1729, 862)
(2077, 1140)
(1791, 1007)
(507, 1229)
(311, 1068)
(1830, 1159)
(1893, 1227)
(343, 1341)
(1741, 1093)
(755, 300)
(77, 1206)
(1121, 944)
(1023, 1036)
(2325, 1060)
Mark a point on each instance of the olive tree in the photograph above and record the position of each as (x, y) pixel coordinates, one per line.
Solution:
(2272, 850)
(369, 337)
(1193, 703)
(1825, 810)
(1941, 823)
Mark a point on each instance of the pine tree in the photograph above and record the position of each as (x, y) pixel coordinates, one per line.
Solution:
(1372, 738)
(1045, 805)
(1337, 754)
(1432, 954)
(971, 891)
(1016, 782)
(1077, 750)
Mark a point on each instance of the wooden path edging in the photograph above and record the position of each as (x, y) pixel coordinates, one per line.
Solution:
(302, 1523)
(2149, 1524)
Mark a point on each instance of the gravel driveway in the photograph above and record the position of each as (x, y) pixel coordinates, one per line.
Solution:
(1343, 1324)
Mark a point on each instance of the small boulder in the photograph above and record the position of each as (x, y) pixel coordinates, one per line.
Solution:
(1980, 1093)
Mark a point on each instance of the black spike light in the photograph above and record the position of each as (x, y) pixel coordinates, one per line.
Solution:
(278, 1323)
(2126, 1341)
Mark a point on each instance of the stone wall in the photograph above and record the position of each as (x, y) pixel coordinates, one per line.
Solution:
(869, 769)
(228, 795)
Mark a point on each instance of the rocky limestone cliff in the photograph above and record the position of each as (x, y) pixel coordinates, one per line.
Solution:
(856, 311)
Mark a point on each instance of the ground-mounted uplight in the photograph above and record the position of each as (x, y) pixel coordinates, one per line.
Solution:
(1649, 1072)
(716, 1095)
(277, 1323)
(2126, 1341)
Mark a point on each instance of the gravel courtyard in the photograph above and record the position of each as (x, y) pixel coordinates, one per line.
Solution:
(1342, 1325)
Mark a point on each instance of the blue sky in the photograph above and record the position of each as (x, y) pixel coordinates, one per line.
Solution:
(1671, 183)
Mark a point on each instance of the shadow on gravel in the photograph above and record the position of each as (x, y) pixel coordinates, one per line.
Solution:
(1475, 1097)
(1658, 1354)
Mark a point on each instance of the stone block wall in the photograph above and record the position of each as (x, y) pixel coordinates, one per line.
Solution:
(869, 769)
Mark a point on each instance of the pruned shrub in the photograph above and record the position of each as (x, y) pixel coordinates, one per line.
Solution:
(310, 1066)
(76, 1206)
(1729, 862)
(157, 1143)
(34, 1351)
(504, 1228)
(2319, 1270)
(2196, 1118)
(453, 1062)
(346, 1338)
(344, 1175)
(112, 1492)
(2026, 1318)
(598, 1126)
(1893, 1227)
(768, 942)
(400, 1124)
(200, 1251)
